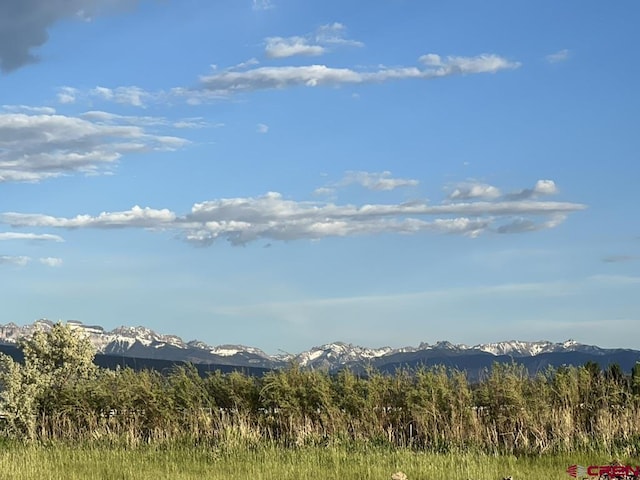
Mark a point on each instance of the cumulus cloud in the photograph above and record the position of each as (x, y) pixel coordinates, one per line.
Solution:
(272, 217)
(36, 147)
(24, 25)
(51, 261)
(44, 237)
(559, 56)
(263, 78)
(542, 187)
(473, 190)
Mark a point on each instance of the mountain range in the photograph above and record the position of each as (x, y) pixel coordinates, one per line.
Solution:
(141, 347)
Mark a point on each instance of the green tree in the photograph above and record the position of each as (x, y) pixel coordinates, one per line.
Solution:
(60, 353)
(54, 360)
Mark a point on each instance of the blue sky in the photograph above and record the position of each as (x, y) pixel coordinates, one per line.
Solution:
(284, 174)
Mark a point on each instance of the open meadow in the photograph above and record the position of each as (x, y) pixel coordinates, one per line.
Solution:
(63, 418)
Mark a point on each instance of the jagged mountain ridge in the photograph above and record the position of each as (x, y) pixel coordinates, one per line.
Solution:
(142, 342)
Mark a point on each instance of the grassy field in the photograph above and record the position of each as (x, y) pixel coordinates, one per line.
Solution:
(271, 463)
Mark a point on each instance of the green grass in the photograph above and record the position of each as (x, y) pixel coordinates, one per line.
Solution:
(269, 463)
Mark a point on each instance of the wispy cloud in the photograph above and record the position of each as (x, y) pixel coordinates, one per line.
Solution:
(22, 261)
(272, 217)
(17, 261)
(314, 44)
(335, 34)
(45, 237)
(264, 78)
(130, 95)
(36, 147)
(51, 261)
(376, 181)
(135, 217)
(29, 109)
(107, 118)
(67, 95)
(262, 128)
(559, 56)
(247, 77)
(262, 5)
(279, 47)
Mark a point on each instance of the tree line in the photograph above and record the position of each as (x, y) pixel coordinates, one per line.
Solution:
(59, 394)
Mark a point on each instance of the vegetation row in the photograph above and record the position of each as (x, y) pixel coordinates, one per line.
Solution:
(58, 394)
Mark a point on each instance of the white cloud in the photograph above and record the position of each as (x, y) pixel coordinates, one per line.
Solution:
(67, 95)
(559, 56)
(485, 63)
(130, 95)
(335, 34)
(13, 260)
(521, 225)
(315, 44)
(382, 181)
(245, 77)
(107, 118)
(262, 78)
(195, 122)
(125, 95)
(51, 261)
(473, 190)
(136, 217)
(542, 187)
(36, 147)
(30, 236)
(278, 47)
(29, 109)
(324, 191)
(262, 128)
(545, 187)
(271, 217)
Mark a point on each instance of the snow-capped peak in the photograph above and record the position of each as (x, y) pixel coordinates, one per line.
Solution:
(339, 352)
(142, 341)
(525, 349)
